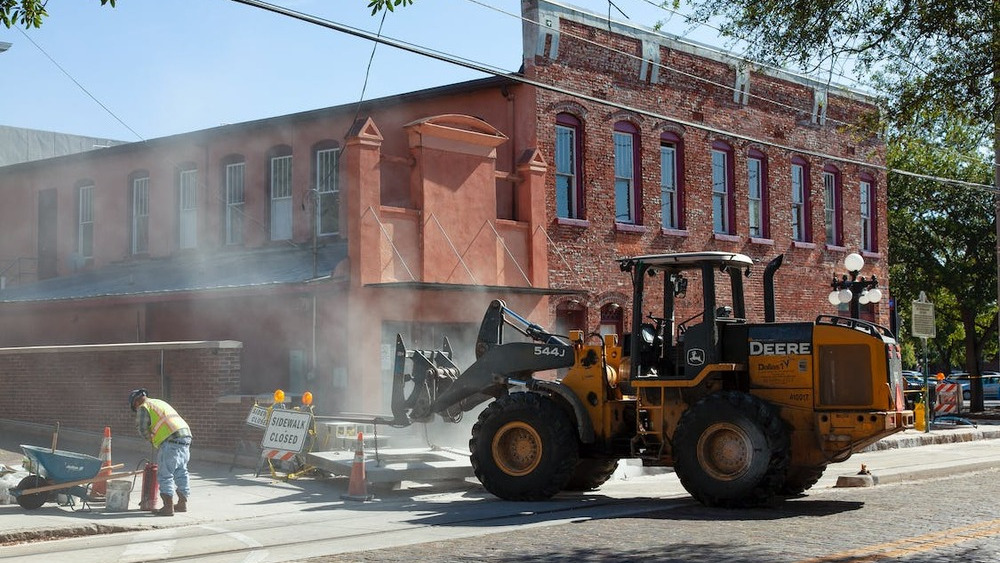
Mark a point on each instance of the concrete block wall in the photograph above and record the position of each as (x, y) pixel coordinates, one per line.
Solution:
(86, 387)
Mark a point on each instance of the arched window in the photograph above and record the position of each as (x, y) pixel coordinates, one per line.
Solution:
(570, 315)
(234, 197)
(628, 185)
(800, 200)
(611, 319)
(723, 202)
(569, 167)
(139, 212)
(85, 219)
(833, 205)
(757, 195)
(326, 167)
(671, 181)
(280, 192)
(187, 205)
(869, 231)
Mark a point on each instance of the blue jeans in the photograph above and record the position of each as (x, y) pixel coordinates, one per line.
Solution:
(172, 471)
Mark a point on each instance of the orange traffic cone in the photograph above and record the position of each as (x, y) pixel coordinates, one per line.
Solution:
(100, 488)
(357, 489)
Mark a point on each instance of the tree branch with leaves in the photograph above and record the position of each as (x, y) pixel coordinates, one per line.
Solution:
(28, 13)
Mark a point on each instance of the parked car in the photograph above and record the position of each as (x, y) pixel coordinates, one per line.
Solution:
(913, 380)
(913, 387)
(991, 386)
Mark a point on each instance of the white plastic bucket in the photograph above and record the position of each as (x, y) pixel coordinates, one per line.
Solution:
(118, 494)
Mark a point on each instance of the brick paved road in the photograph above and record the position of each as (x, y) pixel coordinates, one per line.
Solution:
(951, 519)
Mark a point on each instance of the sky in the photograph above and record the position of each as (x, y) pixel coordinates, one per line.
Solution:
(152, 68)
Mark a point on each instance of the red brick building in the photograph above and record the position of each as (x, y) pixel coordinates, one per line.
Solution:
(314, 238)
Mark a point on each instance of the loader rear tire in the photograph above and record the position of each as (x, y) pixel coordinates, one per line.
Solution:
(590, 474)
(524, 447)
(800, 480)
(731, 450)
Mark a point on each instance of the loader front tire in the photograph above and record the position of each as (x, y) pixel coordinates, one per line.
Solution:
(800, 480)
(524, 447)
(590, 474)
(731, 450)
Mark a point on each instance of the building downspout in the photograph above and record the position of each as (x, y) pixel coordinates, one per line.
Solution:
(312, 363)
(511, 118)
(163, 379)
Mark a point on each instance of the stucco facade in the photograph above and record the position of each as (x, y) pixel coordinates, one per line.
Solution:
(444, 199)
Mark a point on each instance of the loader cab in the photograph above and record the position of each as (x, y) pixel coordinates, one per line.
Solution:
(681, 305)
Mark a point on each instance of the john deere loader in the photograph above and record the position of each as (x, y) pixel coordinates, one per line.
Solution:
(744, 412)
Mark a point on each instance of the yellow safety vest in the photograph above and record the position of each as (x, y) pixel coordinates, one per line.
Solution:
(163, 420)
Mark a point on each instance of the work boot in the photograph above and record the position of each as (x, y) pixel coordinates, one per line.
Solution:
(168, 506)
(181, 505)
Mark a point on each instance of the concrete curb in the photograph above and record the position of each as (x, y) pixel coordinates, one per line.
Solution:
(934, 472)
(938, 435)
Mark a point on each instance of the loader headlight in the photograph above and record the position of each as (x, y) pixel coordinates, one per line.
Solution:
(648, 333)
(611, 374)
(624, 369)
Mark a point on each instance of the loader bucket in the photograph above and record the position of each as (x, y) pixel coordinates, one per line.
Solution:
(418, 377)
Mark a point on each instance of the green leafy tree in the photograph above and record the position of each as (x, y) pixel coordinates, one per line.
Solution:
(918, 52)
(943, 239)
(378, 5)
(28, 13)
(936, 63)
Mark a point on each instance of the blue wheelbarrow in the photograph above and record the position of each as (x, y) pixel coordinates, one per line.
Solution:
(55, 472)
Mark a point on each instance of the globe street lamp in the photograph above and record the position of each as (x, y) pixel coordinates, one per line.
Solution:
(854, 290)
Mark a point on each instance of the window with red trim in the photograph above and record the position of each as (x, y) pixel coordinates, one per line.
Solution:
(723, 205)
(833, 205)
(757, 196)
(569, 172)
(671, 181)
(869, 241)
(800, 200)
(627, 184)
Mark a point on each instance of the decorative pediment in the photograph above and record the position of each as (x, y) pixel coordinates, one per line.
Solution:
(365, 132)
(455, 132)
(531, 159)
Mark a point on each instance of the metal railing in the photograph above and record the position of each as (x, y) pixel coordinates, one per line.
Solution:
(18, 271)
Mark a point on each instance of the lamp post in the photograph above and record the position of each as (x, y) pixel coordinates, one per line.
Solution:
(854, 290)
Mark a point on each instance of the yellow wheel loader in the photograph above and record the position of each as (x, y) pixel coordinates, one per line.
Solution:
(744, 412)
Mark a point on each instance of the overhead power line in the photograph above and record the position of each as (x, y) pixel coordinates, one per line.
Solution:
(660, 65)
(78, 85)
(483, 68)
(747, 40)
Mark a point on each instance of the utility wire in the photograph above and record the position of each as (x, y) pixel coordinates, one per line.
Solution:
(844, 60)
(699, 23)
(660, 65)
(368, 70)
(678, 71)
(78, 85)
(480, 67)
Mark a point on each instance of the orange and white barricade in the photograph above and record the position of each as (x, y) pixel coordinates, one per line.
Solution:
(949, 399)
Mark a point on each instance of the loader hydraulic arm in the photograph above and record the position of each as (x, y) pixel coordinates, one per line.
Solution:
(438, 388)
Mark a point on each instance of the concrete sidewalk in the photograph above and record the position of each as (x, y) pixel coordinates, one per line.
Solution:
(221, 494)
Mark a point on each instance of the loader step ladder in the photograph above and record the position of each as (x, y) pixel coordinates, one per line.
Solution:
(648, 442)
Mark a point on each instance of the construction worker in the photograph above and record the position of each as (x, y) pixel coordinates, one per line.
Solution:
(159, 423)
